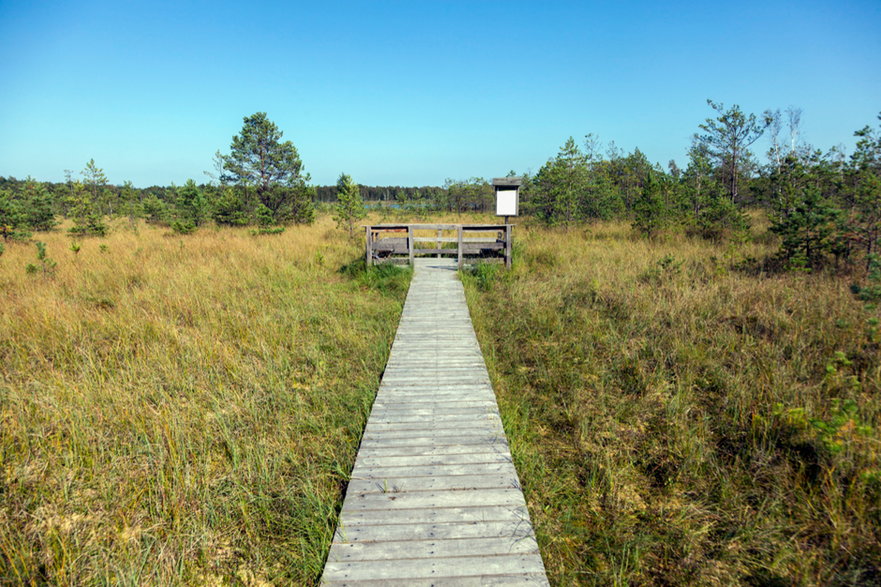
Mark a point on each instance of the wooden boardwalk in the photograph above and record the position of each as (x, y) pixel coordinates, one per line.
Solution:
(434, 498)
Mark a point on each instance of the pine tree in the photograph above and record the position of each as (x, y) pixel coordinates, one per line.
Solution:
(806, 220)
(37, 206)
(190, 208)
(559, 186)
(651, 214)
(12, 217)
(864, 191)
(130, 203)
(349, 206)
(727, 139)
(84, 211)
(262, 165)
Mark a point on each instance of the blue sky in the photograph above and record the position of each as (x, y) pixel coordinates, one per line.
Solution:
(410, 93)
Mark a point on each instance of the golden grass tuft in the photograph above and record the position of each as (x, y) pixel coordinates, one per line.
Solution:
(182, 409)
(680, 418)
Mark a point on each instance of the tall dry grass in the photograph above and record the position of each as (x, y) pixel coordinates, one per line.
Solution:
(678, 417)
(183, 409)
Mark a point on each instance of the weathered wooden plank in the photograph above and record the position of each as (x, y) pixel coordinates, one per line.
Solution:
(438, 388)
(516, 516)
(435, 365)
(435, 239)
(435, 251)
(486, 427)
(461, 251)
(487, 420)
(434, 567)
(434, 374)
(487, 438)
(405, 403)
(366, 472)
(463, 388)
(480, 528)
(448, 404)
(433, 411)
(473, 581)
(434, 483)
(431, 403)
(424, 451)
(471, 418)
(414, 437)
(379, 441)
(440, 434)
(428, 397)
(434, 496)
(439, 235)
(398, 549)
(369, 247)
(421, 398)
(421, 461)
(427, 355)
(440, 421)
(422, 226)
(434, 499)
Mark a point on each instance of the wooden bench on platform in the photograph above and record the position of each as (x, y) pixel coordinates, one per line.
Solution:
(404, 242)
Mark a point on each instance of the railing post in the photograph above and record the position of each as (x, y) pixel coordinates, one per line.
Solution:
(508, 243)
(438, 244)
(410, 243)
(369, 259)
(460, 248)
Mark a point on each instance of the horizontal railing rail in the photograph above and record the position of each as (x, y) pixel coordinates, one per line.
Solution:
(396, 242)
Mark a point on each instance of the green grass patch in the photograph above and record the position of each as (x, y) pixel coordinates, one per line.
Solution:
(676, 421)
(385, 278)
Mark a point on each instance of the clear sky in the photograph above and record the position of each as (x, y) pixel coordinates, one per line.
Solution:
(413, 92)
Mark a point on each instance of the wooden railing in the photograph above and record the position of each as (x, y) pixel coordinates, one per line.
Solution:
(397, 242)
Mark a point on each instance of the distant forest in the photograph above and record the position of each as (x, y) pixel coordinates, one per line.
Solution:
(58, 191)
(824, 204)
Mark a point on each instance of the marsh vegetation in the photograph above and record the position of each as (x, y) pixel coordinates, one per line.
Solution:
(680, 416)
(183, 409)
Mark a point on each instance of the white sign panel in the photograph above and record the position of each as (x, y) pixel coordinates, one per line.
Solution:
(506, 201)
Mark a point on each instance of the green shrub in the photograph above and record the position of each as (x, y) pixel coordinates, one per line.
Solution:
(267, 230)
(155, 210)
(183, 226)
(483, 275)
(871, 292)
(386, 278)
(230, 209)
(44, 264)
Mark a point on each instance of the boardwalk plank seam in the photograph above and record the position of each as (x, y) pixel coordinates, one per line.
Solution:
(434, 497)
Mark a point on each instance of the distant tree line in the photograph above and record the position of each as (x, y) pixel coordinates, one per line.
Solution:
(825, 206)
(28, 205)
(261, 181)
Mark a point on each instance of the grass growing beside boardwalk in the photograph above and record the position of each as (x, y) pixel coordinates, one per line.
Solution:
(183, 410)
(676, 420)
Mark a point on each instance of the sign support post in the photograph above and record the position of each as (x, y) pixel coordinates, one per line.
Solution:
(507, 204)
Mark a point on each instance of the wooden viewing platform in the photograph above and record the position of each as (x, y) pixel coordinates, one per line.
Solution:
(399, 242)
(434, 497)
